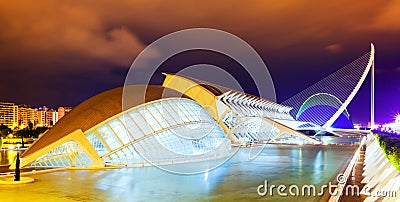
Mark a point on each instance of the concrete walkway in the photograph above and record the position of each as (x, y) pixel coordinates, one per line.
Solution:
(355, 179)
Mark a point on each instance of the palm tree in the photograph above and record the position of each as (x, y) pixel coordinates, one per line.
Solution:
(27, 132)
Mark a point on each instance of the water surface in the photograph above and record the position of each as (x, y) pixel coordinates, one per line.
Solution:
(237, 179)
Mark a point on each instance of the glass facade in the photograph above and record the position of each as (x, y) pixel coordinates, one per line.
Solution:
(160, 132)
(69, 154)
(249, 129)
(165, 131)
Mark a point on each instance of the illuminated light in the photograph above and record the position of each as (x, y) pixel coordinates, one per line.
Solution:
(11, 147)
(397, 119)
(18, 145)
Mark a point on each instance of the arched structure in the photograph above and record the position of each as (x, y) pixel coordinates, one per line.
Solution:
(164, 128)
(321, 99)
(319, 108)
(343, 84)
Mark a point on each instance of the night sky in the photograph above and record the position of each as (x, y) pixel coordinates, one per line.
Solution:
(59, 53)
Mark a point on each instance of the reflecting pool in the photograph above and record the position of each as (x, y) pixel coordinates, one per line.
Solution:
(237, 179)
(8, 156)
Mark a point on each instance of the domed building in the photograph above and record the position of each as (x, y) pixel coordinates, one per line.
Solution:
(155, 125)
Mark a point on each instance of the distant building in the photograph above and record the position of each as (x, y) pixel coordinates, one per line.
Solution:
(55, 117)
(41, 117)
(26, 115)
(8, 114)
(51, 117)
(62, 111)
(46, 117)
(13, 115)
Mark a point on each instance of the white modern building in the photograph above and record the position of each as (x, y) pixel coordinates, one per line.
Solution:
(167, 128)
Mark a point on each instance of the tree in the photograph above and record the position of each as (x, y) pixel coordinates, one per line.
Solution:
(38, 131)
(4, 130)
(30, 125)
(23, 133)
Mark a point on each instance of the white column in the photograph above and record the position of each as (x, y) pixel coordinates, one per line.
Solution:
(373, 95)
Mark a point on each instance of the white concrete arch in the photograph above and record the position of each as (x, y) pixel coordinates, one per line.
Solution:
(355, 90)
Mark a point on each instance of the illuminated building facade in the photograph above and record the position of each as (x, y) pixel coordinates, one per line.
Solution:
(46, 117)
(51, 117)
(40, 117)
(8, 114)
(13, 115)
(26, 115)
(23, 115)
(62, 111)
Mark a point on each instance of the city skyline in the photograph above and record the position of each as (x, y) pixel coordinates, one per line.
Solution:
(21, 116)
(67, 49)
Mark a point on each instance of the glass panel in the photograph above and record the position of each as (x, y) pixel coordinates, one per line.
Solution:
(168, 112)
(67, 154)
(97, 144)
(134, 130)
(140, 122)
(113, 157)
(149, 118)
(119, 129)
(109, 137)
(154, 110)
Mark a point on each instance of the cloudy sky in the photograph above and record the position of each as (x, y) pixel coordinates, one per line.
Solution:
(62, 52)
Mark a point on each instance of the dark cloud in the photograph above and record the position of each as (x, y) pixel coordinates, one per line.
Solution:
(52, 28)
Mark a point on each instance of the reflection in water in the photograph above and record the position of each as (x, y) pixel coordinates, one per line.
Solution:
(236, 179)
(348, 140)
(8, 156)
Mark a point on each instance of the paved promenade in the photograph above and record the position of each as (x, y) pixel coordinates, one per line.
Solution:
(356, 178)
